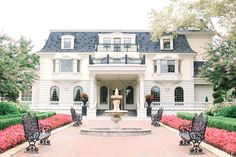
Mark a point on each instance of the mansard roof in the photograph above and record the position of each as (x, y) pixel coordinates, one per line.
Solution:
(85, 41)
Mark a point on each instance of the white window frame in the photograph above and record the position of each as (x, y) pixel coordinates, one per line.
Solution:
(65, 37)
(162, 42)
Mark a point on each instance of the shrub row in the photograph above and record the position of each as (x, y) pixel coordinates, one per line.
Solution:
(213, 121)
(225, 109)
(4, 123)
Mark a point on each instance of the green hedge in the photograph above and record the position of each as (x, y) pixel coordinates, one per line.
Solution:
(13, 120)
(213, 121)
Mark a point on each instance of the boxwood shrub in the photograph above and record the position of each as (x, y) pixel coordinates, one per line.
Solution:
(213, 121)
(8, 108)
(13, 120)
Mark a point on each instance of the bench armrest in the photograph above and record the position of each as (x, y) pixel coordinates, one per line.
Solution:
(197, 136)
(185, 128)
(46, 128)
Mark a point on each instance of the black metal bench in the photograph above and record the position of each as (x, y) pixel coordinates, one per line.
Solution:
(77, 118)
(35, 131)
(194, 132)
(156, 118)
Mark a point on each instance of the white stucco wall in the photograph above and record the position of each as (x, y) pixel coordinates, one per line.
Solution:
(201, 91)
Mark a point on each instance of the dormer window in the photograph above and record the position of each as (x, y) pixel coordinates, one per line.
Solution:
(67, 42)
(166, 43)
(106, 42)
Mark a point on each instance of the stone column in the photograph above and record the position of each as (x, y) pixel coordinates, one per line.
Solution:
(141, 111)
(92, 109)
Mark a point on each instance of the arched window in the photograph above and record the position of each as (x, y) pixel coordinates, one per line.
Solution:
(179, 94)
(54, 93)
(155, 91)
(103, 95)
(129, 95)
(76, 93)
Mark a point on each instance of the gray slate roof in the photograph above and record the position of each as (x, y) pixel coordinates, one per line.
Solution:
(86, 41)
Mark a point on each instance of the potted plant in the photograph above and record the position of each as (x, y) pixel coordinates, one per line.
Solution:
(84, 98)
(149, 98)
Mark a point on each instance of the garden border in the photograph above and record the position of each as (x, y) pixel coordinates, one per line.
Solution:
(22, 146)
(209, 147)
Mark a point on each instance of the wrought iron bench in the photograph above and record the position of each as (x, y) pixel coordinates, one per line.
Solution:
(77, 118)
(194, 132)
(35, 131)
(156, 118)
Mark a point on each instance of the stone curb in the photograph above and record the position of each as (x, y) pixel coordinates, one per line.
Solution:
(22, 146)
(209, 147)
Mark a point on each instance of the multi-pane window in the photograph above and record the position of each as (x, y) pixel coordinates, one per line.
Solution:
(26, 96)
(76, 93)
(127, 42)
(167, 66)
(117, 42)
(103, 95)
(154, 66)
(66, 65)
(179, 94)
(155, 91)
(129, 95)
(67, 43)
(54, 93)
(166, 43)
(106, 43)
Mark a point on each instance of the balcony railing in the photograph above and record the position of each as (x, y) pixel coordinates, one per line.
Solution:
(120, 60)
(116, 48)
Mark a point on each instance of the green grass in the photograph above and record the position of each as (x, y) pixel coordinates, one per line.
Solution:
(13, 119)
(213, 121)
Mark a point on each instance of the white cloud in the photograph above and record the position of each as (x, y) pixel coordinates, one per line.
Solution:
(34, 19)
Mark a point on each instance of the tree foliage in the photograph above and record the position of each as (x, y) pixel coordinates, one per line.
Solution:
(202, 14)
(220, 68)
(17, 66)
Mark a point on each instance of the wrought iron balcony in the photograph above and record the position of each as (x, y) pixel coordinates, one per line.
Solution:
(116, 48)
(112, 60)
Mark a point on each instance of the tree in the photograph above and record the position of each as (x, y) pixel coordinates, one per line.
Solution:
(201, 14)
(17, 67)
(220, 68)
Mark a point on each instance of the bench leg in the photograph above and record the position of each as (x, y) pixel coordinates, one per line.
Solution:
(32, 146)
(196, 147)
(156, 123)
(45, 141)
(184, 142)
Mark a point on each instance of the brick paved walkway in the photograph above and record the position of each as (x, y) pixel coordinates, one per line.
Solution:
(69, 143)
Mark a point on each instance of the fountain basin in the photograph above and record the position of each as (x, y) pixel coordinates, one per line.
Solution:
(116, 113)
(115, 132)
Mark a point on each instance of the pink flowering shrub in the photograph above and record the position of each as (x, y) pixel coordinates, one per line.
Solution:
(220, 138)
(14, 135)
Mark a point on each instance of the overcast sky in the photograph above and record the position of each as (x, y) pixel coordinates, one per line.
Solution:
(35, 18)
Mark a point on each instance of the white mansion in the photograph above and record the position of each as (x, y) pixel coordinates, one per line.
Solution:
(96, 62)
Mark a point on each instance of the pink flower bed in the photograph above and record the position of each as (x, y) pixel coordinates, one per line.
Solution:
(220, 138)
(14, 135)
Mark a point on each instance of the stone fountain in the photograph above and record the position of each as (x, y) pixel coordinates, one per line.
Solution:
(115, 114)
